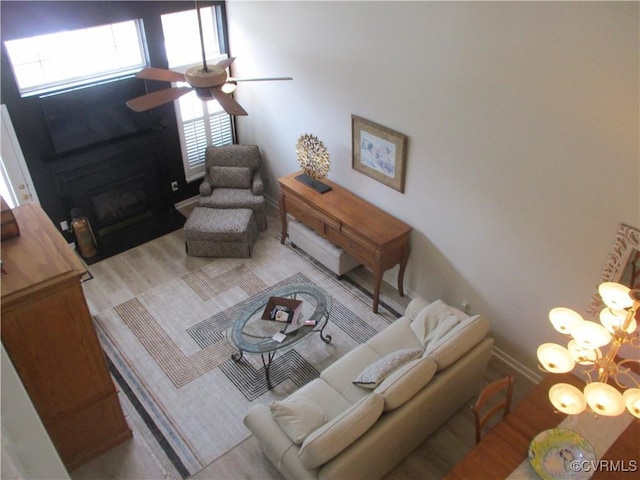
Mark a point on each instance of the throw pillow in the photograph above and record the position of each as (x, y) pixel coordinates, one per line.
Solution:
(298, 417)
(375, 373)
(230, 177)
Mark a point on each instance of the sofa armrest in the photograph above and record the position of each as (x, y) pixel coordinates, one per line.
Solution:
(205, 188)
(257, 185)
(415, 307)
(273, 440)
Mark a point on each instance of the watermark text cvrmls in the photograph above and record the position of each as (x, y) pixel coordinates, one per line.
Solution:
(621, 466)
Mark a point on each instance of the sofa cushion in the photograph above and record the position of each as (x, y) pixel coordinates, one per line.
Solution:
(325, 396)
(375, 373)
(337, 434)
(341, 373)
(458, 341)
(396, 336)
(405, 382)
(298, 417)
(230, 177)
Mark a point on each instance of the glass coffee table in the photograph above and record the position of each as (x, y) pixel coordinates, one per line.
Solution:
(251, 334)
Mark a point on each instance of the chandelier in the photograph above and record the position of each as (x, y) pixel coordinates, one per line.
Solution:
(588, 341)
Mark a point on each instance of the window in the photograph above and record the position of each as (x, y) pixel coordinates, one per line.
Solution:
(199, 123)
(69, 59)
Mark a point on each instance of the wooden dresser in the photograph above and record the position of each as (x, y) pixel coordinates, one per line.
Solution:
(379, 240)
(48, 332)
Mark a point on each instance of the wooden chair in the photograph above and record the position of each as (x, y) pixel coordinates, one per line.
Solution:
(487, 394)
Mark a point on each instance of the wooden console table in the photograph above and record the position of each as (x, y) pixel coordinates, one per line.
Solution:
(506, 445)
(378, 240)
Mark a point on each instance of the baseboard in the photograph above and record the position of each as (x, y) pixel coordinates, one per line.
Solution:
(525, 371)
(187, 202)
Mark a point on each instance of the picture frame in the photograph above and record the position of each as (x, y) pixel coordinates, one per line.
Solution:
(379, 152)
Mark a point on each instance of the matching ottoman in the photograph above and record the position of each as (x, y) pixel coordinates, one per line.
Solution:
(211, 232)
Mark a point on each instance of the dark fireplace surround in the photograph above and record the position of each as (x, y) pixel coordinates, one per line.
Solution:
(121, 188)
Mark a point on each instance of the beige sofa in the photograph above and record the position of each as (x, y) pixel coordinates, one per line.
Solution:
(410, 378)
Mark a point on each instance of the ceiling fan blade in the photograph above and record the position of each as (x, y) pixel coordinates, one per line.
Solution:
(228, 103)
(160, 74)
(226, 62)
(266, 79)
(155, 99)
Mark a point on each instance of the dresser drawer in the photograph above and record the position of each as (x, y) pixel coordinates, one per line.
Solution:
(304, 215)
(357, 238)
(350, 246)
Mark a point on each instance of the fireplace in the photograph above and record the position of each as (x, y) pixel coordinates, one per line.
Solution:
(119, 188)
(121, 204)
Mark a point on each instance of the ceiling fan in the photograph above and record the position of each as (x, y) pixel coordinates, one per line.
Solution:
(208, 81)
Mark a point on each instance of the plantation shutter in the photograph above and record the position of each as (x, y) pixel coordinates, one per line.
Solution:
(197, 134)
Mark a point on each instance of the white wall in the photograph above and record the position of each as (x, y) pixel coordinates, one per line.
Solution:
(27, 450)
(523, 132)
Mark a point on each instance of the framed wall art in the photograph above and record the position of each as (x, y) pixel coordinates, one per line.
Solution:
(379, 152)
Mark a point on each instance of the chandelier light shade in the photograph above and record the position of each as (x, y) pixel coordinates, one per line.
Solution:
(604, 399)
(612, 319)
(567, 398)
(313, 158)
(612, 386)
(582, 355)
(563, 319)
(631, 399)
(555, 358)
(590, 334)
(615, 295)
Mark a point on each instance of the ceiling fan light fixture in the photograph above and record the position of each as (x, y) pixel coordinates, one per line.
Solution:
(229, 87)
(198, 77)
(204, 94)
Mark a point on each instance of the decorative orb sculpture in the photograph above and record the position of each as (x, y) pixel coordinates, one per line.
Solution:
(313, 158)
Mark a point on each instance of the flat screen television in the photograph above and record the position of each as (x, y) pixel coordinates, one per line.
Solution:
(93, 115)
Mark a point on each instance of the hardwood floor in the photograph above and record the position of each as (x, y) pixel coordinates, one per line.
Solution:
(431, 460)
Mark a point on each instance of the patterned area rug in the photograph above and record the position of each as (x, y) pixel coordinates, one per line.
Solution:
(169, 348)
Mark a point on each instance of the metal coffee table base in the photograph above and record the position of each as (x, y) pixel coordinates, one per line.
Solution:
(267, 357)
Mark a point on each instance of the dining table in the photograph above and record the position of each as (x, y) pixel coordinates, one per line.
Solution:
(503, 451)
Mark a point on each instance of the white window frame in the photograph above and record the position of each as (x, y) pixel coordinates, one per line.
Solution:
(213, 127)
(51, 66)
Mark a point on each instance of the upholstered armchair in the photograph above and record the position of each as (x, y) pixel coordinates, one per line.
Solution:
(233, 179)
